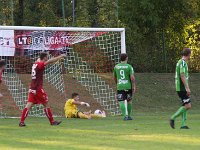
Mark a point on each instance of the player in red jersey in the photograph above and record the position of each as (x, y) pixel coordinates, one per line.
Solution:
(2, 67)
(36, 93)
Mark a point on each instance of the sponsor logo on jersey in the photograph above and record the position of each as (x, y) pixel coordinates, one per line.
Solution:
(121, 67)
(123, 81)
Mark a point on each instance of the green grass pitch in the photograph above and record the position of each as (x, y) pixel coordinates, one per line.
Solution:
(146, 132)
(153, 104)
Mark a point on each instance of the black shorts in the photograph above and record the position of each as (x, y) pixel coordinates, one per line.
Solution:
(124, 95)
(185, 99)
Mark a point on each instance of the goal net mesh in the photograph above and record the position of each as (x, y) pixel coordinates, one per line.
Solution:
(87, 69)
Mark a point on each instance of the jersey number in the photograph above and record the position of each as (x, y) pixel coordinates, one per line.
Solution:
(34, 71)
(122, 74)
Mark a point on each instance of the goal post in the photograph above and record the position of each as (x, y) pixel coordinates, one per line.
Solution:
(87, 69)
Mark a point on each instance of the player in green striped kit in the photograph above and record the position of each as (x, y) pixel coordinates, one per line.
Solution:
(182, 88)
(125, 80)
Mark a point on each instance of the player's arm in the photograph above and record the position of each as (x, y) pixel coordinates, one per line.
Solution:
(115, 76)
(55, 59)
(133, 83)
(132, 77)
(81, 103)
(183, 79)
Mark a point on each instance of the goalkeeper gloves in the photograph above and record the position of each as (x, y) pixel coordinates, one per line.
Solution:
(86, 104)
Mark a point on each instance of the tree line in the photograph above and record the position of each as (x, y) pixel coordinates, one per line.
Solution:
(156, 30)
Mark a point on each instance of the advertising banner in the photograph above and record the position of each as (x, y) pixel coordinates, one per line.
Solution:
(7, 45)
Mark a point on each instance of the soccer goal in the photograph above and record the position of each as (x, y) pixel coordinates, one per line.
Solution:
(87, 69)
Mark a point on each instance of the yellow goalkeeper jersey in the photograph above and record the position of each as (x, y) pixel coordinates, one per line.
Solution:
(70, 109)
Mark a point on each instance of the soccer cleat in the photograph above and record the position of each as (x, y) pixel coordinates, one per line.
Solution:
(22, 124)
(172, 124)
(184, 127)
(126, 118)
(129, 118)
(56, 123)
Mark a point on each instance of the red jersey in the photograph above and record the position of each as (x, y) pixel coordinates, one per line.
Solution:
(37, 75)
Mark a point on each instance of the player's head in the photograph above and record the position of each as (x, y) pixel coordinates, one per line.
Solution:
(44, 56)
(186, 53)
(2, 64)
(123, 57)
(75, 96)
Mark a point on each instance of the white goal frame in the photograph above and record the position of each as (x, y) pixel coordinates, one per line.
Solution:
(121, 49)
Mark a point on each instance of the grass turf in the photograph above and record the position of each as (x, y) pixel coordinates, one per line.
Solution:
(146, 132)
(149, 130)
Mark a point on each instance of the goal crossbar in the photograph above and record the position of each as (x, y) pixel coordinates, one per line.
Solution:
(72, 29)
(61, 28)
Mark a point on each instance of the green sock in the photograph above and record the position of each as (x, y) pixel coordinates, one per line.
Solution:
(181, 110)
(122, 107)
(129, 109)
(184, 118)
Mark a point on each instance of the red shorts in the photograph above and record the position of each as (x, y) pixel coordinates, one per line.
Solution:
(39, 98)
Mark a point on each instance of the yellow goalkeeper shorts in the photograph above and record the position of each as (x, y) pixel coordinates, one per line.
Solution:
(71, 114)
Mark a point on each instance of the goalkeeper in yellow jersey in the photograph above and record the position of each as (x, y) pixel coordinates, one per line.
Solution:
(71, 109)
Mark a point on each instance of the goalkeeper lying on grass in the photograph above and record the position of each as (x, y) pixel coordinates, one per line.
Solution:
(71, 109)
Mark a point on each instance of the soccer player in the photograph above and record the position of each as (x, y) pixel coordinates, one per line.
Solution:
(2, 67)
(36, 93)
(182, 88)
(71, 110)
(126, 87)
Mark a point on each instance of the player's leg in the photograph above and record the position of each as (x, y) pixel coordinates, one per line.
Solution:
(95, 116)
(43, 99)
(129, 106)
(185, 101)
(31, 102)
(1, 96)
(102, 115)
(49, 114)
(122, 108)
(126, 107)
(83, 116)
(129, 109)
(87, 112)
(25, 113)
(184, 116)
(121, 100)
(98, 116)
(179, 112)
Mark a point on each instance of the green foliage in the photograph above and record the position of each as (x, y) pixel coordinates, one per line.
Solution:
(96, 13)
(41, 13)
(192, 39)
(5, 12)
(156, 30)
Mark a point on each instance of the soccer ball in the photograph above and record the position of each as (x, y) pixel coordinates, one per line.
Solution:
(98, 112)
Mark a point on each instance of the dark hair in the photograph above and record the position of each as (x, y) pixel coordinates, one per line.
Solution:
(2, 63)
(123, 57)
(74, 95)
(186, 52)
(42, 55)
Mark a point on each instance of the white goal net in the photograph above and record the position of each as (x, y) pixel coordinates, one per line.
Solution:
(87, 69)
